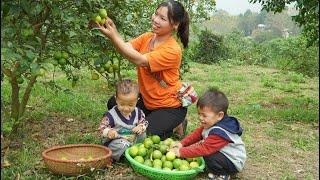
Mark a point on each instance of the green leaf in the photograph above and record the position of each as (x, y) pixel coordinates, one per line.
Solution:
(30, 55)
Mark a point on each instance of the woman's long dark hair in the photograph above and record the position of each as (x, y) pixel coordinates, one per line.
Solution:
(178, 14)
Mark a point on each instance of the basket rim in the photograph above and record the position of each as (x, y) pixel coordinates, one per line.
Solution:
(45, 156)
(187, 172)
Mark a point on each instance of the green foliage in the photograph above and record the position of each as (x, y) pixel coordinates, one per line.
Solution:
(265, 35)
(210, 48)
(292, 54)
(307, 18)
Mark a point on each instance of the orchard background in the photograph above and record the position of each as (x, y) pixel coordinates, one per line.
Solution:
(56, 76)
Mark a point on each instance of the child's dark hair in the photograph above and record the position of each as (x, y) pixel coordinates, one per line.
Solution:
(178, 14)
(127, 86)
(214, 99)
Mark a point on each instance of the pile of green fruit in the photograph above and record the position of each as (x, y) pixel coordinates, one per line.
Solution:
(154, 153)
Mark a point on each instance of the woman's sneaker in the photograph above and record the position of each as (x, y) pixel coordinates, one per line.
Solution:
(218, 177)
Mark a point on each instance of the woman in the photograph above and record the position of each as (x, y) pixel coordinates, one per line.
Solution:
(157, 55)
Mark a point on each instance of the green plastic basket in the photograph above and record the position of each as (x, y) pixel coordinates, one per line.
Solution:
(154, 173)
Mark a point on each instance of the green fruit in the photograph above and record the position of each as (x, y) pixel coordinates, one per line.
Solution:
(148, 162)
(184, 167)
(97, 19)
(103, 13)
(167, 164)
(57, 55)
(163, 158)
(62, 61)
(142, 151)
(65, 55)
(176, 163)
(168, 141)
(194, 165)
(116, 67)
(157, 162)
(20, 80)
(163, 148)
(133, 151)
(94, 76)
(147, 143)
(101, 70)
(139, 159)
(166, 169)
(185, 162)
(170, 156)
(110, 69)
(156, 154)
(42, 72)
(155, 138)
(103, 21)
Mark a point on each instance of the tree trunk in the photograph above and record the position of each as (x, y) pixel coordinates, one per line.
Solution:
(26, 95)
(15, 104)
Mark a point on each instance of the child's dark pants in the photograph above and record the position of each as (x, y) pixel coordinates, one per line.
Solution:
(219, 164)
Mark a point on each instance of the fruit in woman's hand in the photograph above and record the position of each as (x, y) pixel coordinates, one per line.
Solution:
(103, 13)
(97, 19)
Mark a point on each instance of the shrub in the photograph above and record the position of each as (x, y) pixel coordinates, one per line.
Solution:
(210, 48)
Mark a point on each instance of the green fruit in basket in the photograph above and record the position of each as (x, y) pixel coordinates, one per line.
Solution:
(176, 163)
(156, 154)
(167, 164)
(163, 148)
(157, 162)
(148, 162)
(168, 141)
(163, 158)
(194, 164)
(142, 151)
(133, 151)
(170, 156)
(157, 167)
(155, 139)
(63, 158)
(185, 162)
(139, 159)
(147, 143)
(184, 167)
(166, 169)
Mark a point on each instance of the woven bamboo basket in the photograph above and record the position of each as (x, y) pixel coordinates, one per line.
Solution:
(77, 159)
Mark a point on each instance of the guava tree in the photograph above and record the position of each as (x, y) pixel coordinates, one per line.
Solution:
(42, 37)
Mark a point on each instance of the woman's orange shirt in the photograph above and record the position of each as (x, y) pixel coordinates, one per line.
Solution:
(164, 61)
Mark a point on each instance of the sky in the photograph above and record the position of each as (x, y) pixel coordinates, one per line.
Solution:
(236, 7)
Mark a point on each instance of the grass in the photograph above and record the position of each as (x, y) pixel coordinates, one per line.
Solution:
(277, 110)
